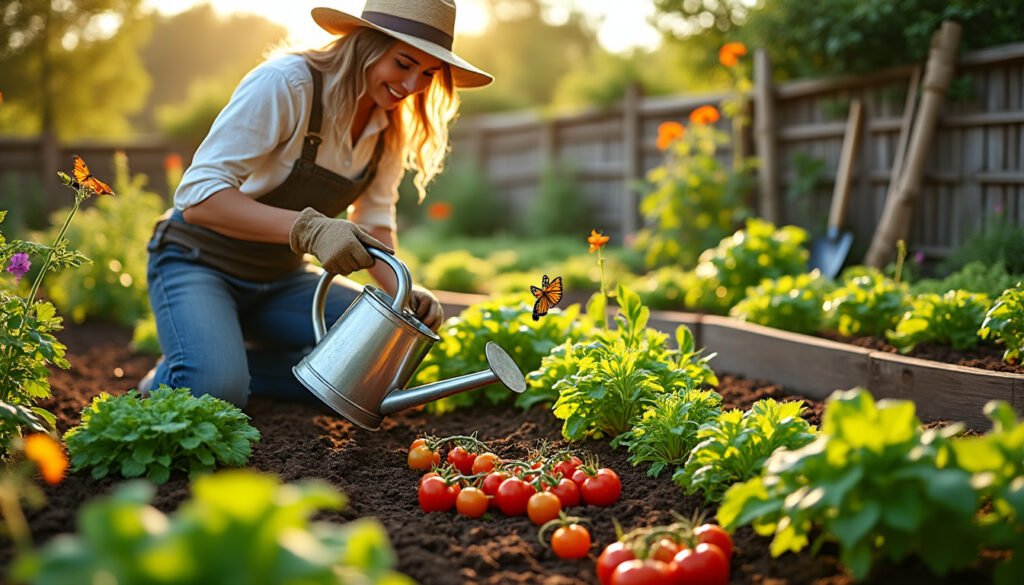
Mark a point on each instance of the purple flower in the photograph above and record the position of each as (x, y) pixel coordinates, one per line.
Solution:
(19, 265)
(998, 208)
(919, 257)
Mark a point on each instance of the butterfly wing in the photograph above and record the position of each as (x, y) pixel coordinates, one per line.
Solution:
(85, 178)
(99, 186)
(540, 308)
(81, 170)
(536, 291)
(553, 292)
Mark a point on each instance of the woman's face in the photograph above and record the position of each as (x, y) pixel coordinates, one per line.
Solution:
(403, 71)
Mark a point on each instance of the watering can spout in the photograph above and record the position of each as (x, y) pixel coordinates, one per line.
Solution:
(501, 368)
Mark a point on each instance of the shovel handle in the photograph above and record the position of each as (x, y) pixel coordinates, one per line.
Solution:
(846, 156)
(401, 295)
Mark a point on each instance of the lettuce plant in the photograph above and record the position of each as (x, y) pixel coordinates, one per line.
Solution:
(667, 431)
(169, 431)
(239, 527)
(735, 445)
(867, 303)
(791, 303)
(873, 481)
(950, 319)
(1004, 322)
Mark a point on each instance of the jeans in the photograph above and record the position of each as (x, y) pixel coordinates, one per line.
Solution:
(230, 338)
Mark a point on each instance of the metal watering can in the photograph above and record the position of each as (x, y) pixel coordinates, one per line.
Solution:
(360, 367)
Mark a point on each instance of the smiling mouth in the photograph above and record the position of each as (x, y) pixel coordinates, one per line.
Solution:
(394, 93)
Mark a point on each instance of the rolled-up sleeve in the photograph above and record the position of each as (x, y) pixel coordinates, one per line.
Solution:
(376, 206)
(263, 113)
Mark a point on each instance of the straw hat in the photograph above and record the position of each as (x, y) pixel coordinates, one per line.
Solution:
(428, 25)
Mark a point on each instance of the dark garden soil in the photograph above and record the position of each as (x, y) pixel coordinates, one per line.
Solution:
(302, 441)
(982, 357)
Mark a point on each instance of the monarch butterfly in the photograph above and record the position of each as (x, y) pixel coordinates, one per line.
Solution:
(85, 178)
(547, 295)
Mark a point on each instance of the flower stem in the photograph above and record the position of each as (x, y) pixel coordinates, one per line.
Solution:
(604, 290)
(49, 255)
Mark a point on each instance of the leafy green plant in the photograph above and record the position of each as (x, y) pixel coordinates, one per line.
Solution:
(1004, 322)
(506, 321)
(27, 342)
(996, 462)
(867, 303)
(743, 260)
(977, 276)
(873, 481)
(239, 527)
(1001, 241)
(113, 234)
(667, 431)
(559, 189)
(736, 444)
(457, 271)
(171, 430)
(693, 200)
(663, 288)
(950, 319)
(476, 209)
(792, 303)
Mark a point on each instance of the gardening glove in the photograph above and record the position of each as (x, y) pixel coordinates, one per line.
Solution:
(339, 245)
(426, 306)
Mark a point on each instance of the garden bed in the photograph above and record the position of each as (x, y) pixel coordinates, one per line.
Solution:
(306, 441)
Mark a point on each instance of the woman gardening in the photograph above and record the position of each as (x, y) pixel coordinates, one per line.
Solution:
(304, 137)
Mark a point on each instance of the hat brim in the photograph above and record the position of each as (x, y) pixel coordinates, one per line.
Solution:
(464, 74)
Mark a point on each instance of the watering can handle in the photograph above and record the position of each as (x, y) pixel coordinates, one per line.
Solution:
(401, 295)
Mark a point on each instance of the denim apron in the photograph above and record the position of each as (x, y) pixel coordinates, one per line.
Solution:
(307, 185)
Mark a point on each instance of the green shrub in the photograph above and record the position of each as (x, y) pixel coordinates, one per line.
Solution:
(975, 276)
(171, 430)
(667, 431)
(457, 271)
(867, 303)
(1004, 322)
(1002, 241)
(113, 234)
(239, 527)
(560, 207)
(791, 303)
(950, 319)
(476, 209)
(663, 288)
(743, 260)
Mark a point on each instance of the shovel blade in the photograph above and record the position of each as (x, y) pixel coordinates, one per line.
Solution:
(829, 253)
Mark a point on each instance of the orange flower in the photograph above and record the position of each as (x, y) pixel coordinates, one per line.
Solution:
(704, 115)
(669, 132)
(172, 163)
(439, 210)
(730, 53)
(47, 453)
(596, 241)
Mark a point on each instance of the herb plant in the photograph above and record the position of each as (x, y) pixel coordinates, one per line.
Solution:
(667, 431)
(171, 430)
(873, 481)
(791, 303)
(1004, 322)
(950, 319)
(239, 527)
(867, 303)
(735, 446)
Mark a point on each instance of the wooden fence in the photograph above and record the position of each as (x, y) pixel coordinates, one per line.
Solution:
(975, 169)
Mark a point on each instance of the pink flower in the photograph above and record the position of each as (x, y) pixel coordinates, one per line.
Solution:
(19, 265)
(919, 257)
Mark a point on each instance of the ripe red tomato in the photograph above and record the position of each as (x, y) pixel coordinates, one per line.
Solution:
(571, 542)
(484, 463)
(637, 572)
(568, 466)
(461, 460)
(612, 556)
(421, 457)
(542, 507)
(490, 485)
(471, 502)
(435, 495)
(417, 443)
(513, 496)
(603, 489)
(579, 476)
(664, 550)
(568, 493)
(704, 564)
(716, 535)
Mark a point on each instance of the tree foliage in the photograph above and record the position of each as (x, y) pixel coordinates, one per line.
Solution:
(71, 67)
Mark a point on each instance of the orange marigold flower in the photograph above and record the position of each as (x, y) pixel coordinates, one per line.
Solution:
(172, 163)
(596, 241)
(730, 53)
(704, 115)
(669, 132)
(47, 453)
(439, 210)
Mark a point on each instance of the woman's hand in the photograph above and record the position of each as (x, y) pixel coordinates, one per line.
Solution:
(340, 245)
(426, 306)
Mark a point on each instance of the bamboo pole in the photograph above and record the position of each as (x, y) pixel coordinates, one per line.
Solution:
(632, 149)
(895, 222)
(767, 145)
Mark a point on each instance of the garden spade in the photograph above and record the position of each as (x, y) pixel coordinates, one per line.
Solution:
(829, 253)
(361, 366)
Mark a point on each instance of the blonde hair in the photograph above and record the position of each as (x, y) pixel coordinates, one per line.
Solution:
(418, 128)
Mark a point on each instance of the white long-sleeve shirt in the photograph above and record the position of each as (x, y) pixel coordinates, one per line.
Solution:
(257, 137)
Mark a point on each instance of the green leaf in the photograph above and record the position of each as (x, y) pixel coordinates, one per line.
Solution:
(951, 488)
(852, 526)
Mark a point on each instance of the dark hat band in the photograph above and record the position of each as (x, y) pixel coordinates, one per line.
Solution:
(409, 27)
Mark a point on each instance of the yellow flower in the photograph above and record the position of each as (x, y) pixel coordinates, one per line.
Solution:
(47, 453)
(730, 53)
(669, 132)
(596, 241)
(704, 115)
